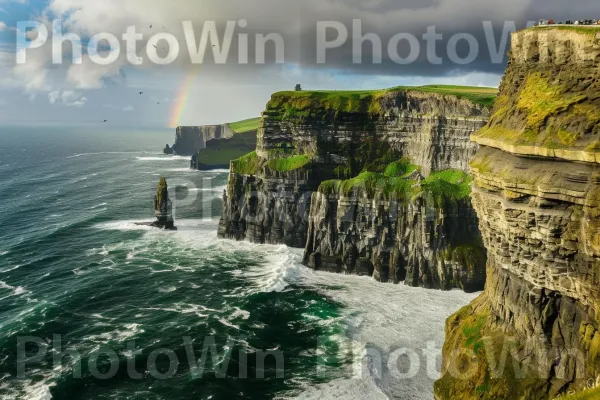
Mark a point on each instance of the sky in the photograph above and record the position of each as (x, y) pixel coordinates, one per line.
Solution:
(224, 88)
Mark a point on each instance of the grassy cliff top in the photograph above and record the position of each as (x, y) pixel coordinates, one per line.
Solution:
(548, 113)
(584, 29)
(349, 100)
(397, 181)
(244, 126)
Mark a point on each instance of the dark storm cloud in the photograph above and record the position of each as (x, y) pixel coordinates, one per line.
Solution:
(296, 22)
(449, 17)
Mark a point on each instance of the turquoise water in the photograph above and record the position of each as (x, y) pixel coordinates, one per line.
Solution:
(74, 263)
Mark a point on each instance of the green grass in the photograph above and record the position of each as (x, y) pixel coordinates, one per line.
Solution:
(555, 117)
(475, 94)
(445, 185)
(473, 333)
(592, 394)
(400, 168)
(244, 126)
(162, 185)
(246, 165)
(540, 99)
(289, 163)
(219, 152)
(373, 184)
(302, 104)
(392, 183)
(584, 29)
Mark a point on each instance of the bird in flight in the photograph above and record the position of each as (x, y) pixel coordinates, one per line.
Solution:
(150, 26)
(105, 121)
(141, 92)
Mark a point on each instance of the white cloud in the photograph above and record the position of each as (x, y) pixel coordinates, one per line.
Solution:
(128, 108)
(2, 26)
(68, 98)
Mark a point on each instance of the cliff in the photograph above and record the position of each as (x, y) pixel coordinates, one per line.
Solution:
(190, 139)
(311, 142)
(534, 332)
(398, 227)
(219, 152)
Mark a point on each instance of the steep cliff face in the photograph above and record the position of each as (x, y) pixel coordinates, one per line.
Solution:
(537, 194)
(307, 139)
(420, 237)
(190, 139)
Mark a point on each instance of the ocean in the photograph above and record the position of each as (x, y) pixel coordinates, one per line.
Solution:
(93, 306)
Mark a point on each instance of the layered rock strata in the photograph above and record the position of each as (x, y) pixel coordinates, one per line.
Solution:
(534, 333)
(307, 139)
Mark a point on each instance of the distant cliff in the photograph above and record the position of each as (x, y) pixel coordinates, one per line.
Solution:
(219, 152)
(313, 151)
(190, 139)
(537, 195)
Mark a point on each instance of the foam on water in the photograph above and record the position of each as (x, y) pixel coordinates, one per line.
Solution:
(16, 290)
(106, 152)
(163, 158)
(388, 317)
(379, 316)
(180, 170)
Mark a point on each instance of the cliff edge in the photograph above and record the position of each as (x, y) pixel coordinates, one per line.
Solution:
(534, 332)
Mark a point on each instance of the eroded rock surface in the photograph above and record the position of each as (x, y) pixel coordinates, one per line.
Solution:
(303, 142)
(537, 195)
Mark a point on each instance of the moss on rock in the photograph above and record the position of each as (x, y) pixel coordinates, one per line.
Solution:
(246, 165)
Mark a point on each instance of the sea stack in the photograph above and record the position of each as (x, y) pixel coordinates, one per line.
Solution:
(163, 207)
(168, 150)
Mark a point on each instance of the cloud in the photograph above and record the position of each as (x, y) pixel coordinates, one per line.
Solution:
(3, 26)
(296, 22)
(67, 98)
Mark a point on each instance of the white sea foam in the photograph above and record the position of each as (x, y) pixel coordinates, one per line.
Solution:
(79, 179)
(16, 290)
(239, 313)
(131, 225)
(98, 205)
(382, 316)
(3, 253)
(106, 152)
(123, 333)
(184, 308)
(214, 189)
(387, 317)
(163, 158)
(227, 323)
(181, 170)
(168, 289)
(8, 269)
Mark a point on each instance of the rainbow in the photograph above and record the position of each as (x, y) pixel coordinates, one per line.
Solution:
(180, 103)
